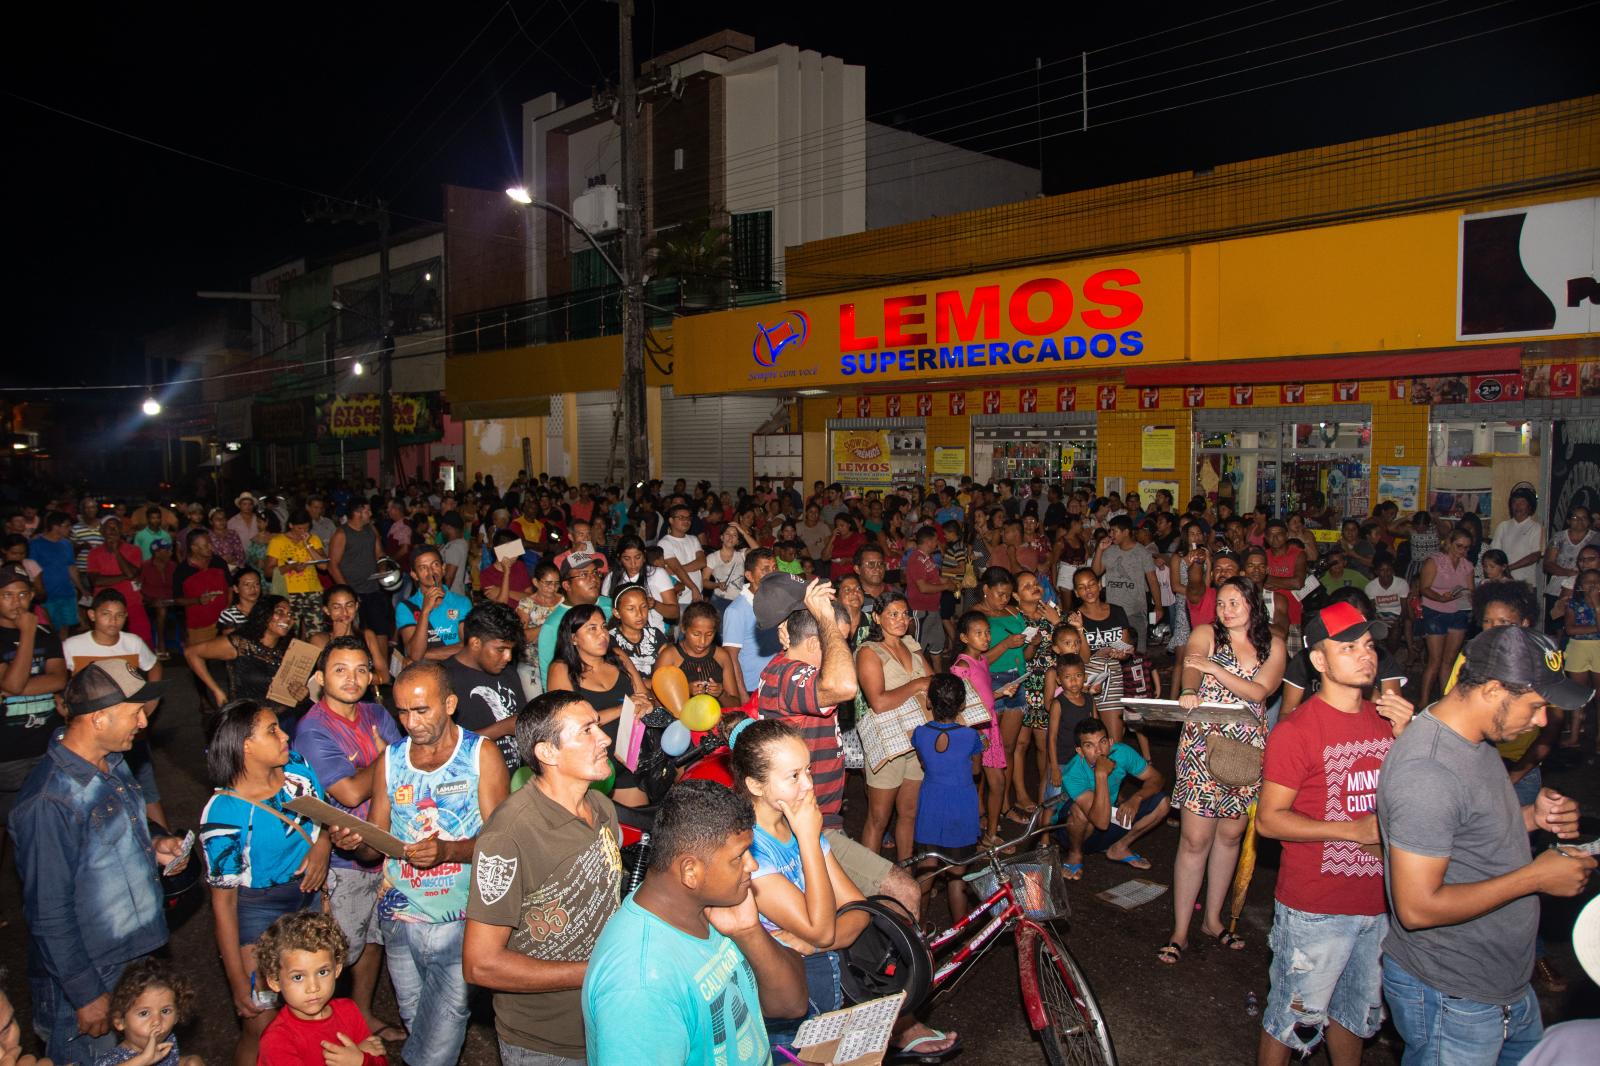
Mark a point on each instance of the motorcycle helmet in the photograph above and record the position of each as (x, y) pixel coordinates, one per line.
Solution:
(389, 574)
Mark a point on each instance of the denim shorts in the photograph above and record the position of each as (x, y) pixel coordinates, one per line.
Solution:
(1014, 702)
(260, 907)
(1325, 967)
(1438, 623)
(823, 994)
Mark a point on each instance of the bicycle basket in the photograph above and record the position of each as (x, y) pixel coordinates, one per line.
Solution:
(1036, 880)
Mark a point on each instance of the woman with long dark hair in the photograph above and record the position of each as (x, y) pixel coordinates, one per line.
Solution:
(262, 860)
(1234, 660)
(253, 653)
(588, 663)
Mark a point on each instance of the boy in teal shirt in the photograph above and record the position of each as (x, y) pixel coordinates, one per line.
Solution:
(684, 971)
(1096, 821)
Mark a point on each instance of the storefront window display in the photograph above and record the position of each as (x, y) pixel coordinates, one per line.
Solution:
(878, 453)
(1288, 465)
(1062, 452)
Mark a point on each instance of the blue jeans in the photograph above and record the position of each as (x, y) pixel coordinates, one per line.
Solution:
(55, 1019)
(512, 1055)
(1324, 969)
(1441, 1030)
(425, 966)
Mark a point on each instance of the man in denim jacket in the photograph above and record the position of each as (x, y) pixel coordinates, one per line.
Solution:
(90, 880)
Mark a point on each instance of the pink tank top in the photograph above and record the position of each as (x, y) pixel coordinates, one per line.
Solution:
(1448, 575)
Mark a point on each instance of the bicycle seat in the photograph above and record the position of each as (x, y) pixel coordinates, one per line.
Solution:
(640, 818)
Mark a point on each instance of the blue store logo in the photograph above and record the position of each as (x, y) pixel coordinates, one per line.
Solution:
(792, 328)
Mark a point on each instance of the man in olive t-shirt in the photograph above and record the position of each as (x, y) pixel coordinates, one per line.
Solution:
(546, 878)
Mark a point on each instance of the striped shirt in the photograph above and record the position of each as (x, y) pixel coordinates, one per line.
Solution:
(788, 691)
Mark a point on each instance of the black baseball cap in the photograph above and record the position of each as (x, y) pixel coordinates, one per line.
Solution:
(1341, 622)
(107, 683)
(779, 596)
(1516, 655)
(12, 575)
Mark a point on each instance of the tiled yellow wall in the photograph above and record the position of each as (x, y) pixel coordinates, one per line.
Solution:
(1396, 424)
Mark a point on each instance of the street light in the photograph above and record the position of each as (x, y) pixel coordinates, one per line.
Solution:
(152, 406)
(633, 389)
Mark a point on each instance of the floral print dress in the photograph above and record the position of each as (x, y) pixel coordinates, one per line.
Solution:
(1195, 789)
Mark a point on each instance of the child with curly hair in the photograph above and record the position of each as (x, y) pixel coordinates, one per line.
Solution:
(150, 1000)
(300, 955)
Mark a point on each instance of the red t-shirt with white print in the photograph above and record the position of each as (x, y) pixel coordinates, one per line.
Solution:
(1332, 760)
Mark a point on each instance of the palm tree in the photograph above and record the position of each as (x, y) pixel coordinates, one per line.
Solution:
(696, 254)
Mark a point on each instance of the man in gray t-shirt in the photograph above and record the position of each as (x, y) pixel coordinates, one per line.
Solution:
(1127, 572)
(1460, 880)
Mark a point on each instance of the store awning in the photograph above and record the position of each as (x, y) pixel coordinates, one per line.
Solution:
(1333, 368)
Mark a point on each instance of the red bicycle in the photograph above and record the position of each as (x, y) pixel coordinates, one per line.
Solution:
(1023, 894)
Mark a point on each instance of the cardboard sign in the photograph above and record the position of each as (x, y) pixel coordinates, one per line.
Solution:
(327, 814)
(509, 552)
(289, 683)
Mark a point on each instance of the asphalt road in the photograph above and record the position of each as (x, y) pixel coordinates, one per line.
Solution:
(1193, 1013)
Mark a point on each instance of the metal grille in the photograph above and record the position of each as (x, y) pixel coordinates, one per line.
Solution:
(752, 250)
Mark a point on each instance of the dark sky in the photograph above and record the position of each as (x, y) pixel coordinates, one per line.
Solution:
(110, 237)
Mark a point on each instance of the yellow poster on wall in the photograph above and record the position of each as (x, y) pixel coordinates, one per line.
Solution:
(1158, 448)
(861, 456)
(949, 460)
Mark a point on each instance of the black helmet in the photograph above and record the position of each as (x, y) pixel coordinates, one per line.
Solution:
(889, 955)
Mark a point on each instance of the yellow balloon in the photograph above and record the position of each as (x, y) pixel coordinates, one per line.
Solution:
(701, 713)
(671, 686)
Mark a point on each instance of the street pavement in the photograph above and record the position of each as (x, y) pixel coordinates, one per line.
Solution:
(1193, 1013)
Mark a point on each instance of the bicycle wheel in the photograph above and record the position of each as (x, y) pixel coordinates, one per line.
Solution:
(1075, 1031)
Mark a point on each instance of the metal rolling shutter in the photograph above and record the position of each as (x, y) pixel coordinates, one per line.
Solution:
(594, 437)
(707, 438)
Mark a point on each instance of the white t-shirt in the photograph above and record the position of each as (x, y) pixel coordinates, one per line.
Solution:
(729, 575)
(1567, 556)
(1517, 539)
(1388, 602)
(81, 650)
(683, 549)
(657, 582)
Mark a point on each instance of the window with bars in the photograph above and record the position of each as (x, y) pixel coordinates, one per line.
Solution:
(752, 250)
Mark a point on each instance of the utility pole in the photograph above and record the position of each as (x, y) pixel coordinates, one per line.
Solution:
(633, 324)
(385, 352)
(328, 210)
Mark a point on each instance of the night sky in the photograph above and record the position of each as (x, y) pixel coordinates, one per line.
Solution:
(111, 237)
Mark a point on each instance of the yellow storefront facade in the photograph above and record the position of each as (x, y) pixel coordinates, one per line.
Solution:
(1269, 329)
(1268, 366)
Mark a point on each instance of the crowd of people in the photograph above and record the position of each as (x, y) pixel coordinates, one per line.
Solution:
(480, 652)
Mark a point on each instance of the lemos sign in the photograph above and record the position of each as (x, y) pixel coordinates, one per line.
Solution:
(1059, 318)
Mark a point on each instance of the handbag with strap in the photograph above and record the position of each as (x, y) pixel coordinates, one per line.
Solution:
(1235, 763)
(292, 823)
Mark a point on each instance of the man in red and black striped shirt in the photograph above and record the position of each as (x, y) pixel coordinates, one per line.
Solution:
(803, 686)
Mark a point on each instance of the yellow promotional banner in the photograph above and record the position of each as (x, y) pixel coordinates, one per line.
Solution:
(1093, 315)
(360, 416)
(861, 456)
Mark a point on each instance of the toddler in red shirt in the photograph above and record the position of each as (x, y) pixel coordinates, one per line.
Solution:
(300, 955)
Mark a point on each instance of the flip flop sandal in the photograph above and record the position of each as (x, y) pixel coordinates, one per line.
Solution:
(1132, 859)
(1230, 940)
(1013, 811)
(1169, 954)
(1074, 870)
(909, 1052)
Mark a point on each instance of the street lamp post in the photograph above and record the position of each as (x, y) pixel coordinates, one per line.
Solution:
(633, 387)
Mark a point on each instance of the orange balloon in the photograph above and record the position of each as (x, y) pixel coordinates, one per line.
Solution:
(671, 686)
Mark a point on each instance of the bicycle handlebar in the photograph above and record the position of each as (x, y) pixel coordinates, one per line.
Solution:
(992, 852)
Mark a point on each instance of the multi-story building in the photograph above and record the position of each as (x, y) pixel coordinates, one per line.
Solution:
(747, 152)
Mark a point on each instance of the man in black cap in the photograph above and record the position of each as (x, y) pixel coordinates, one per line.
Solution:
(89, 861)
(580, 584)
(1462, 888)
